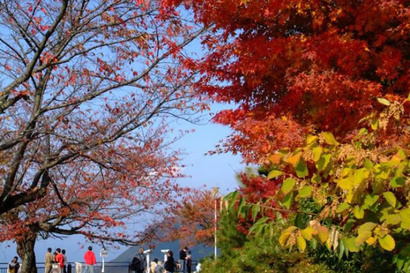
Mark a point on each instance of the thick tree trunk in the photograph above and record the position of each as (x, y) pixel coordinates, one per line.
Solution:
(25, 250)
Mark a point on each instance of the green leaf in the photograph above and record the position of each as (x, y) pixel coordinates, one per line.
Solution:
(300, 220)
(306, 191)
(390, 198)
(288, 185)
(387, 242)
(323, 162)
(231, 197)
(316, 179)
(383, 101)
(288, 200)
(341, 250)
(370, 200)
(397, 182)
(240, 207)
(255, 211)
(301, 169)
(259, 225)
(358, 212)
(342, 207)
(274, 173)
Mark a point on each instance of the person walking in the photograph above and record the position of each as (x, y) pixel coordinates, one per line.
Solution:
(48, 261)
(90, 260)
(14, 265)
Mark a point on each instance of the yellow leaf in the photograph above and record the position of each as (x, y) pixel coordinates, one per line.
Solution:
(371, 241)
(286, 234)
(274, 173)
(330, 139)
(387, 242)
(307, 233)
(301, 243)
(310, 139)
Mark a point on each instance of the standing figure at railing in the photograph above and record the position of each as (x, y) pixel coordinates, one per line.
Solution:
(48, 261)
(90, 260)
(14, 266)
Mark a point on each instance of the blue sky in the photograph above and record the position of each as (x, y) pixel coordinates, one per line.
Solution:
(212, 171)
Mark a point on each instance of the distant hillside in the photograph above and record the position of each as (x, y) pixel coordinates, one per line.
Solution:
(197, 252)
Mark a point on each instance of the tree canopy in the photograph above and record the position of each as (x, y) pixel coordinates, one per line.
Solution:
(298, 67)
(86, 91)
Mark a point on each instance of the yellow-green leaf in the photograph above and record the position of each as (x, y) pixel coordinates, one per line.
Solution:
(286, 234)
(393, 219)
(362, 237)
(387, 242)
(307, 233)
(330, 139)
(310, 139)
(358, 212)
(274, 173)
(374, 124)
(383, 101)
(345, 183)
(323, 162)
(301, 169)
(368, 226)
(317, 152)
(390, 198)
(370, 200)
(351, 244)
(342, 207)
(368, 164)
(405, 218)
(397, 182)
(306, 191)
(301, 243)
(288, 185)
(288, 200)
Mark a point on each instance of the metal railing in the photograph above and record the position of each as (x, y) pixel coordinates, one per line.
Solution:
(108, 267)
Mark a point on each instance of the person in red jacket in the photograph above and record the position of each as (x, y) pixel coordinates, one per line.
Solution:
(90, 260)
(60, 259)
